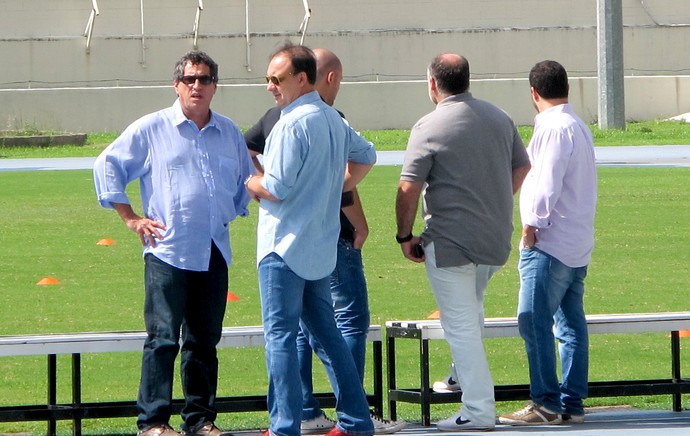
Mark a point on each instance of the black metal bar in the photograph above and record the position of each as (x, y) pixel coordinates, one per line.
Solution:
(675, 369)
(258, 402)
(390, 356)
(76, 393)
(424, 381)
(52, 393)
(377, 350)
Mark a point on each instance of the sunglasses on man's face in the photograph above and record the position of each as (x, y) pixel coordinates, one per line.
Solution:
(190, 80)
(277, 79)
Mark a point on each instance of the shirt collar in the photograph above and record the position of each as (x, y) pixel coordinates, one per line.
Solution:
(307, 98)
(465, 96)
(180, 118)
(561, 108)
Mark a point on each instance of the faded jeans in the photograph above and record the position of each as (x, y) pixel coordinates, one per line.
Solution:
(551, 293)
(351, 305)
(286, 301)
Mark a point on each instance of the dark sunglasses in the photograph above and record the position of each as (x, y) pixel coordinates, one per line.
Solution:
(190, 80)
(276, 79)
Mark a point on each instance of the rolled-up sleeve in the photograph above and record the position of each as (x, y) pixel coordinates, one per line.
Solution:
(361, 150)
(120, 163)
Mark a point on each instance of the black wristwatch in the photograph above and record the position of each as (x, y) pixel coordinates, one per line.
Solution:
(403, 239)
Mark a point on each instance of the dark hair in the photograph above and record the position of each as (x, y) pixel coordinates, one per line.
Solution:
(452, 76)
(195, 58)
(301, 58)
(549, 79)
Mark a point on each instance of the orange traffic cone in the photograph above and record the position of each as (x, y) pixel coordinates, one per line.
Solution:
(232, 296)
(106, 242)
(684, 333)
(436, 314)
(48, 281)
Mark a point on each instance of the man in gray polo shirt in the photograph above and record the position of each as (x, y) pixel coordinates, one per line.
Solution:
(469, 160)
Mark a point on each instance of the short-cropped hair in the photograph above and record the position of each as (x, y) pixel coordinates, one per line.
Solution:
(301, 58)
(549, 79)
(195, 58)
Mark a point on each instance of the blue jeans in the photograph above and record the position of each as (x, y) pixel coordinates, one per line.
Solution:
(286, 301)
(195, 302)
(351, 305)
(551, 292)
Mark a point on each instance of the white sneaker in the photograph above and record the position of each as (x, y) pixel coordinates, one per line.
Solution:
(319, 425)
(458, 423)
(448, 384)
(385, 426)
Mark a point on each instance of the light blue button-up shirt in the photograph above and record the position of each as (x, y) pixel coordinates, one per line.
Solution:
(304, 164)
(191, 180)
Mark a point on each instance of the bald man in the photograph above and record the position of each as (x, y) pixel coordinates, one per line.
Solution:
(347, 282)
(468, 159)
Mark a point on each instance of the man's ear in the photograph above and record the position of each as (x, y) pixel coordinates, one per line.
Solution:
(432, 84)
(302, 77)
(535, 95)
(330, 77)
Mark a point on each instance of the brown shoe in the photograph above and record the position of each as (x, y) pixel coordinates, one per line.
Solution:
(158, 430)
(208, 429)
(532, 414)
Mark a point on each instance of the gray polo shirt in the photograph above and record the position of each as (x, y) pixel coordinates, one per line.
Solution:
(465, 150)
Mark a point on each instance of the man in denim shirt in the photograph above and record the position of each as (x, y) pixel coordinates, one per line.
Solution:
(191, 164)
(348, 284)
(311, 156)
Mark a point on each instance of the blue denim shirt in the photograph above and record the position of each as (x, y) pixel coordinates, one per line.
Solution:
(304, 162)
(191, 180)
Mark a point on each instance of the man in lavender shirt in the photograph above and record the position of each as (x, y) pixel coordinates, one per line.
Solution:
(557, 206)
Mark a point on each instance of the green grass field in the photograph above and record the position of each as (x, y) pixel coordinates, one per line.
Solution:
(53, 222)
(654, 132)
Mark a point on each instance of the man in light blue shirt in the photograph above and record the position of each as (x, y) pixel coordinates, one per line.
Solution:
(557, 207)
(311, 156)
(191, 164)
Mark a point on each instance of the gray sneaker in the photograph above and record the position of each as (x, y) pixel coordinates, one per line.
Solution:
(385, 426)
(319, 425)
(532, 414)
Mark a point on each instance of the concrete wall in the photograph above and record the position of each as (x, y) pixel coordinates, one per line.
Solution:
(368, 105)
(52, 81)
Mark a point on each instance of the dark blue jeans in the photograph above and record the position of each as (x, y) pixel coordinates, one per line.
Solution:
(195, 303)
